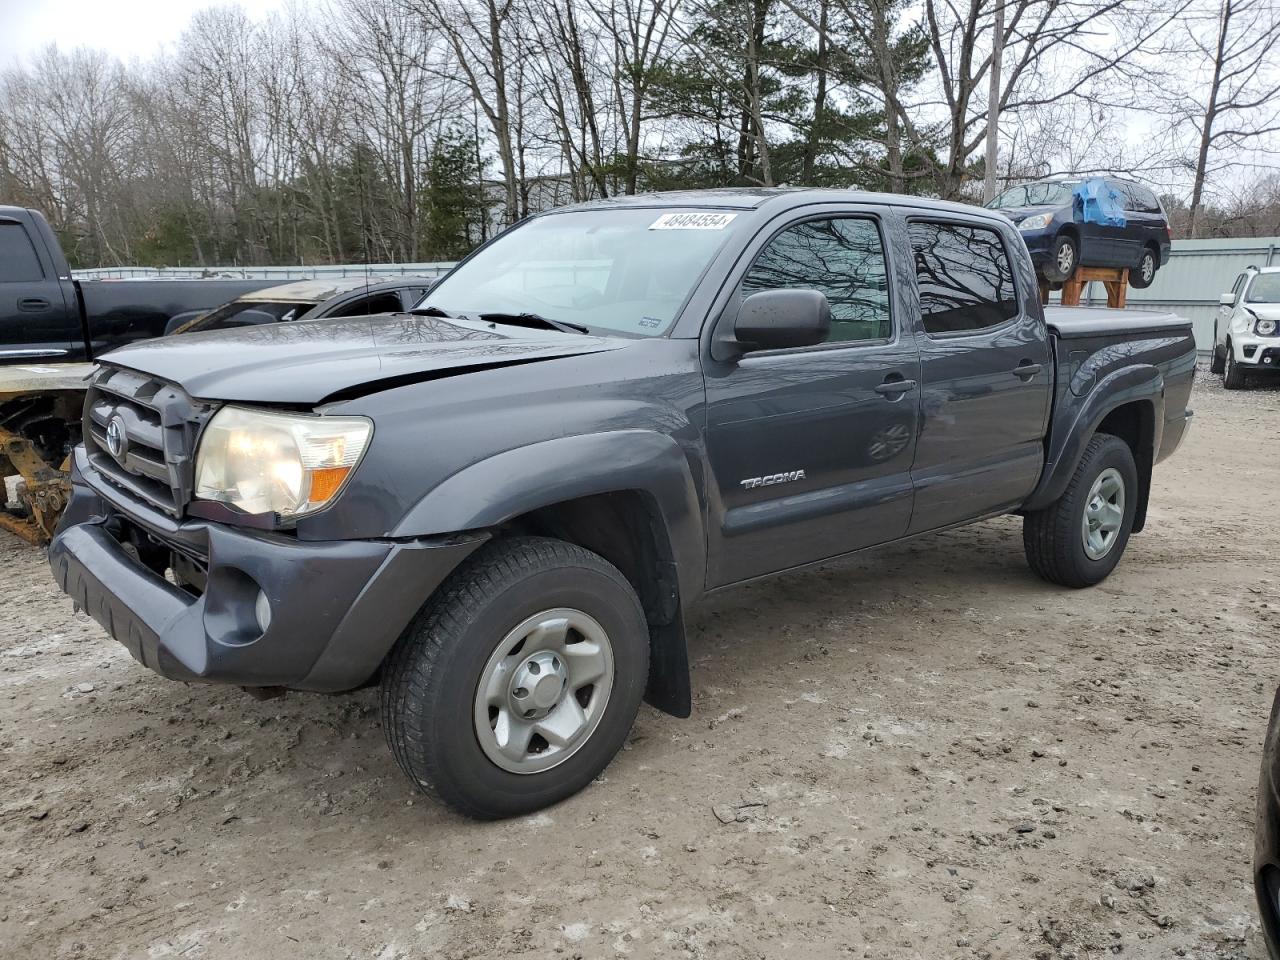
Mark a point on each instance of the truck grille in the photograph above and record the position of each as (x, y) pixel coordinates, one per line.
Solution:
(139, 434)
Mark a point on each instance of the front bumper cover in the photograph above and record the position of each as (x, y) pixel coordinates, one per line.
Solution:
(336, 606)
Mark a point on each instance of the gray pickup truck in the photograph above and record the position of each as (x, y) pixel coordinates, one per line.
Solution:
(500, 506)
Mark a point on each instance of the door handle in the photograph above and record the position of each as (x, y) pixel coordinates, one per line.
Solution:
(893, 389)
(32, 304)
(1026, 371)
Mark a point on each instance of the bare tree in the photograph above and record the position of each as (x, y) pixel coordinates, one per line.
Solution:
(485, 36)
(1232, 99)
(640, 30)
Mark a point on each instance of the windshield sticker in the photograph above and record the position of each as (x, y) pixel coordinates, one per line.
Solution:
(692, 221)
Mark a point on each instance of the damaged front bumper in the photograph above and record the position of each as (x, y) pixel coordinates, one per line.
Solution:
(271, 611)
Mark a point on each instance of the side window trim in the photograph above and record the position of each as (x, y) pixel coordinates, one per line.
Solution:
(1013, 276)
(895, 325)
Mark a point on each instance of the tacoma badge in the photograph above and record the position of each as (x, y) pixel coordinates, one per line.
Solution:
(790, 475)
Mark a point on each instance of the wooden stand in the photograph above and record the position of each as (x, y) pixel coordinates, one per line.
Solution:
(1115, 279)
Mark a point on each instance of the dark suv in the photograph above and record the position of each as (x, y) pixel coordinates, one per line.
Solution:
(1048, 216)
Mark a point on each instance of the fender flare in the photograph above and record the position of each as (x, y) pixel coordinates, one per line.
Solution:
(1140, 382)
(500, 488)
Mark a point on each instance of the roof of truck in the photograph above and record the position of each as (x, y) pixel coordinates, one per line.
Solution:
(749, 198)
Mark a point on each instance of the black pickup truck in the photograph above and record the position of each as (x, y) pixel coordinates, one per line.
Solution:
(48, 317)
(500, 506)
(51, 327)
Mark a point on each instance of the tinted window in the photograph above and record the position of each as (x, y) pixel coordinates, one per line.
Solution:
(964, 277)
(844, 259)
(18, 262)
(1125, 192)
(1146, 199)
(381, 303)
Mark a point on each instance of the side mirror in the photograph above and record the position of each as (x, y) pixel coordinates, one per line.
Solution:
(1227, 299)
(778, 319)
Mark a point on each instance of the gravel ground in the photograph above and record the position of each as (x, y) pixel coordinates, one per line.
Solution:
(921, 752)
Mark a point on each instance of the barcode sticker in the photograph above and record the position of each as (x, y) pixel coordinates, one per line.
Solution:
(692, 221)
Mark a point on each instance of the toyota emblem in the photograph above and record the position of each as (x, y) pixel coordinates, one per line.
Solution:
(117, 438)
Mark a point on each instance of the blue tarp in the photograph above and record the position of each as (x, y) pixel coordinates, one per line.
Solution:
(1094, 201)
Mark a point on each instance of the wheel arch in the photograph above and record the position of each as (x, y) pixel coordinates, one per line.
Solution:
(1128, 403)
(627, 495)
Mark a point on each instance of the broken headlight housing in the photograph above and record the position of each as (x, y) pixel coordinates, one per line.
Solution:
(262, 462)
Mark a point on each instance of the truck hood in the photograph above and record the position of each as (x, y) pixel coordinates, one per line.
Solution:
(311, 362)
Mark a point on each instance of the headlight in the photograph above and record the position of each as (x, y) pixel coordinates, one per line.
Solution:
(1038, 222)
(1265, 328)
(288, 464)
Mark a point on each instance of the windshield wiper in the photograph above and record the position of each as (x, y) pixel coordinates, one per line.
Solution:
(432, 312)
(534, 320)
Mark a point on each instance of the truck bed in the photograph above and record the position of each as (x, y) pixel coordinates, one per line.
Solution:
(1069, 323)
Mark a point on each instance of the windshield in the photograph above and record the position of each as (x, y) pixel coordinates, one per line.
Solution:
(1050, 193)
(245, 313)
(1264, 289)
(611, 271)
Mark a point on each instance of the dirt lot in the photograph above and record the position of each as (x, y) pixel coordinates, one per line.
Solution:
(924, 752)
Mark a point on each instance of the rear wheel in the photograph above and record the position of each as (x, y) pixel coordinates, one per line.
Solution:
(515, 687)
(1078, 539)
(1140, 278)
(1233, 376)
(1064, 256)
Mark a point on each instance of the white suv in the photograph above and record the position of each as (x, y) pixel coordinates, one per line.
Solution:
(1246, 331)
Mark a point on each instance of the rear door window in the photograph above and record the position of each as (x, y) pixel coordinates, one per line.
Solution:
(18, 260)
(964, 277)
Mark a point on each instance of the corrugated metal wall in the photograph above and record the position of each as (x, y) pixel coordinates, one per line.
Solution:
(1198, 272)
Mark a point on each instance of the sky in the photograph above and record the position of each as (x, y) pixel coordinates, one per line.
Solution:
(125, 28)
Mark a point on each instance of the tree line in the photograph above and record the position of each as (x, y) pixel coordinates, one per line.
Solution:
(411, 130)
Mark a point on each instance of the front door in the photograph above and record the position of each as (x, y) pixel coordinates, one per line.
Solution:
(985, 375)
(811, 448)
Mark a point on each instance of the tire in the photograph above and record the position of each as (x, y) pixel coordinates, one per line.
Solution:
(1141, 276)
(1216, 360)
(1233, 377)
(1055, 538)
(431, 704)
(1064, 257)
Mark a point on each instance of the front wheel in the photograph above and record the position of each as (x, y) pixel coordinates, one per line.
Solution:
(1064, 256)
(1141, 277)
(1078, 539)
(1233, 376)
(517, 684)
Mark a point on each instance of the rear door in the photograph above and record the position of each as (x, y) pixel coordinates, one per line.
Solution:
(984, 374)
(36, 321)
(1127, 241)
(811, 448)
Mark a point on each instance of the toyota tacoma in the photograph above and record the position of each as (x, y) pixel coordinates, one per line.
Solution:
(500, 506)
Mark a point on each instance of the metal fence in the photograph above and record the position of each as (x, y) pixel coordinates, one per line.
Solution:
(1198, 272)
